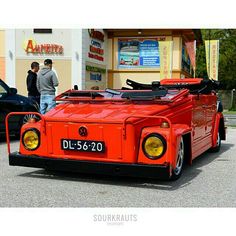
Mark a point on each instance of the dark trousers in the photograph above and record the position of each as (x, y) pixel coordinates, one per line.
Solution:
(35, 98)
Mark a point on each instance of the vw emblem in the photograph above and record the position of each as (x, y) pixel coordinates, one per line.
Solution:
(83, 131)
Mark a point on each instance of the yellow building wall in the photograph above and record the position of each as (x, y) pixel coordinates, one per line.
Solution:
(2, 43)
(2, 55)
(177, 53)
(109, 54)
(176, 74)
(62, 67)
(2, 68)
(119, 79)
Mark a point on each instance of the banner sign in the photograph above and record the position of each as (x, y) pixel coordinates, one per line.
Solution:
(165, 48)
(138, 52)
(212, 58)
(191, 49)
(185, 60)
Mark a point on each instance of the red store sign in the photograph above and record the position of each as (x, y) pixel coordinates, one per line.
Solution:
(96, 34)
(95, 48)
(32, 47)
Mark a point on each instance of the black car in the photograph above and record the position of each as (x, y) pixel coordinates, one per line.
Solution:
(10, 101)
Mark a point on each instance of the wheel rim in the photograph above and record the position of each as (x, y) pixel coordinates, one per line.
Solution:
(28, 117)
(180, 158)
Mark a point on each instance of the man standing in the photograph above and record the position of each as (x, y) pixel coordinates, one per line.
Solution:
(31, 81)
(46, 83)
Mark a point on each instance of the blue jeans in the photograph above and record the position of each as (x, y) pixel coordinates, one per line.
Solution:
(47, 103)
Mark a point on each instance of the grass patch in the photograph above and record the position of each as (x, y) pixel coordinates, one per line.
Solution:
(229, 112)
(231, 126)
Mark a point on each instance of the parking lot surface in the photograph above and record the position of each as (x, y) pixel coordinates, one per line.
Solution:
(209, 182)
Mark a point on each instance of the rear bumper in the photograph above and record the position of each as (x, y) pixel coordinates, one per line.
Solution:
(91, 167)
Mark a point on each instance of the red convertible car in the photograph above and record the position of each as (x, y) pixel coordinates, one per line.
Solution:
(143, 131)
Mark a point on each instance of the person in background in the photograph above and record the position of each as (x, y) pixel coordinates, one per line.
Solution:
(31, 82)
(46, 83)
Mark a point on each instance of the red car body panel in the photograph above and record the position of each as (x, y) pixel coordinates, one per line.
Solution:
(122, 124)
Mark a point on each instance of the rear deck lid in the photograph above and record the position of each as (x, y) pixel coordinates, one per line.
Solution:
(101, 112)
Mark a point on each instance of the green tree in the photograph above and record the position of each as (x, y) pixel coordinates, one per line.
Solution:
(227, 58)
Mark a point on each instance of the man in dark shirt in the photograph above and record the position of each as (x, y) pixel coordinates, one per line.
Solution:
(31, 81)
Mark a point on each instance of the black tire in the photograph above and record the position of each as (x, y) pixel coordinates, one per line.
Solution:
(218, 146)
(176, 173)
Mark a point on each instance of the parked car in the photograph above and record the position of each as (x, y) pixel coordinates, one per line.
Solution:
(147, 132)
(10, 101)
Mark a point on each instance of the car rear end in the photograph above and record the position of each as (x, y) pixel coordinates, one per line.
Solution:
(105, 147)
(80, 141)
(126, 136)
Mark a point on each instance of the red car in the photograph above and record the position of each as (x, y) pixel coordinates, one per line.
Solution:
(143, 130)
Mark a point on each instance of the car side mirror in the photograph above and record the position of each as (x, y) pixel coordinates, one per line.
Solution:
(13, 91)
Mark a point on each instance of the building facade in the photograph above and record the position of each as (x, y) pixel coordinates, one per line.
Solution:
(93, 58)
(147, 53)
(2, 55)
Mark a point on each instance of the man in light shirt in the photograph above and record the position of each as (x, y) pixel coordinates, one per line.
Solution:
(46, 83)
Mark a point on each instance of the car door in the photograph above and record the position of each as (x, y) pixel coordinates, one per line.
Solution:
(198, 118)
(3, 105)
(203, 116)
(210, 105)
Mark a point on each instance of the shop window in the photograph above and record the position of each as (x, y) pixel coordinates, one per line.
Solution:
(42, 31)
(96, 76)
(138, 52)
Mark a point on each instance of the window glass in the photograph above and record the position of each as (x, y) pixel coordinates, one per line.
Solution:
(138, 52)
(42, 31)
(2, 91)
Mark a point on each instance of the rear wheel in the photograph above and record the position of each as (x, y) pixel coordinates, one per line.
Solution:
(218, 144)
(176, 173)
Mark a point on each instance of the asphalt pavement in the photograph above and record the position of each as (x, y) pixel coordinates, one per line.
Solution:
(230, 119)
(209, 182)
